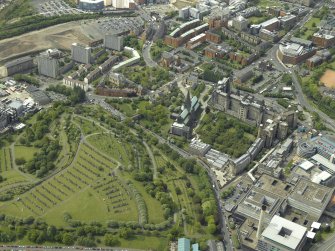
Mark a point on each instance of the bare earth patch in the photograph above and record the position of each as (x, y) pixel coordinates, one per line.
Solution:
(328, 79)
(59, 36)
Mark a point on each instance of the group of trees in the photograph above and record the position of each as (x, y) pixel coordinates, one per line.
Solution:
(204, 200)
(227, 134)
(26, 78)
(311, 89)
(150, 78)
(133, 42)
(159, 190)
(154, 116)
(36, 134)
(212, 76)
(75, 95)
(42, 162)
(37, 231)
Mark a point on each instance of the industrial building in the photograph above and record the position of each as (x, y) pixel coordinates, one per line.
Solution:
(91, 5)
(81, 53)
(16, 66)
(48, 63)
(114, 42)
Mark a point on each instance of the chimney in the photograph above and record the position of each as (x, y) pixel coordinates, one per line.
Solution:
(260, 223)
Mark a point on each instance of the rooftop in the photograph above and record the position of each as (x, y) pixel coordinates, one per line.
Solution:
(284, 232)
(18, 61)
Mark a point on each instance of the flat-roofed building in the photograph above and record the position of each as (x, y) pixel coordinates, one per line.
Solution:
(271, 24)
(323, 40)
(48, 63)
(16, 66)
(81, 53)
(310, 198)
(184, 244)
(91, 5)
(114, 42)
(240, 23)
(296, 51)
(282, 235)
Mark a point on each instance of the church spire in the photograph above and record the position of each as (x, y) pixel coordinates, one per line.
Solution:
(188, 101)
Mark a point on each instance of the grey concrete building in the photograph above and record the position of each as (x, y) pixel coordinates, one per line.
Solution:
(81, 53)
(16, 66)
(48, 63)
(114, 42)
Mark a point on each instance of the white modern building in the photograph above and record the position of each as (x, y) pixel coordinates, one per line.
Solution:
(282, 235)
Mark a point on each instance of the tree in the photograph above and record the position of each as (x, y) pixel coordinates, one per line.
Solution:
(51, 232)
(111, 240)
(68, 239)
(20, 161)
(125, 233)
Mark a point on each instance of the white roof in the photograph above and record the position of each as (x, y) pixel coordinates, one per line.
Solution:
(287, 88)
(323, 176)
(306, 165)
(323, 161)
(310, 235)
(294, 233)
(316, 225)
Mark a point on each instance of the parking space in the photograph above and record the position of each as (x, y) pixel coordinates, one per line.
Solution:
(57, 7)
(119, 24)
(160, 9)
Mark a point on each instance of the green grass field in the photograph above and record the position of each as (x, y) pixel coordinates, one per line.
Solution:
(5, 159)
(87, 126)
(25, 152)
(112, 146)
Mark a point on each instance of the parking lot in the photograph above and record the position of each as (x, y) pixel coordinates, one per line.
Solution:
(119, 24)
(57, 7)
(160, 9)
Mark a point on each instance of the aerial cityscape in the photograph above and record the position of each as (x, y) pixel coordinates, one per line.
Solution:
(167, 125)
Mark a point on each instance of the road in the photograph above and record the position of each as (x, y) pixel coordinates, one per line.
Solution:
(302, 100)
(223, 226)
(147, 56)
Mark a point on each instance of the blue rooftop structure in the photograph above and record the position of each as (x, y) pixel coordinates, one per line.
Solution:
(195, 247)
(184, 244)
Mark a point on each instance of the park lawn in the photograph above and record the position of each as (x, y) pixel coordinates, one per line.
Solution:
(87, 126)
(257, 20)
(310, 22)
(126, 109)
(186, 203)
(113, 147)
(12, 177)
(15, 209)
(65, 154)
(25, 152)
(155, 211)
(269, 3)
(85, 206)
(310, 30)
(5, 164)
(145, 242)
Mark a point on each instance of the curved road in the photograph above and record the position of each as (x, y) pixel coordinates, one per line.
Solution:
(147, 56)
(303, 101)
